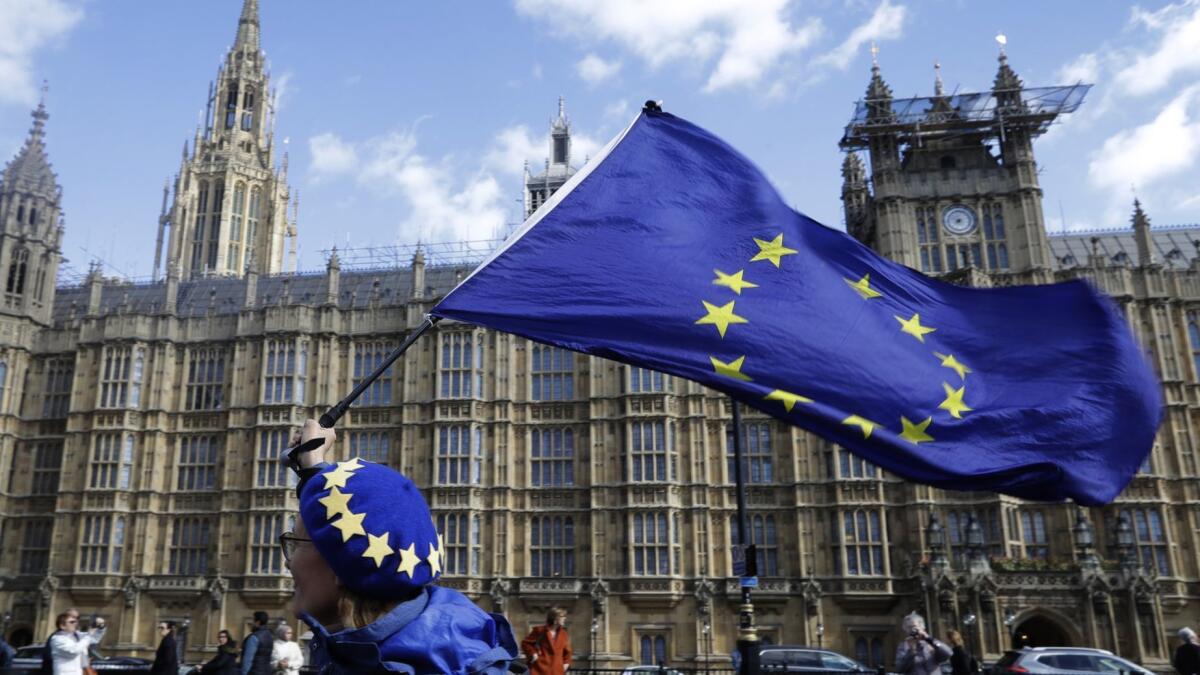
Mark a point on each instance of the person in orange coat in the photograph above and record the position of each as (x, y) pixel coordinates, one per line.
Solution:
(548, 648)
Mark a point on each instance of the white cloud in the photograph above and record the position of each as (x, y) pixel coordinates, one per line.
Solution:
(283, 87)
(886, 23)
(444, 203)
(1085, 68)
(1142, 156)
(618, 110)
(331, 155)
(513, 147)
(25, 27)
(1176, 52)
(747, 38)
(595, 70)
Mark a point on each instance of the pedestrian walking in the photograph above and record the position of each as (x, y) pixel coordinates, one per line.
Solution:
(962, 662)
(547, 648)
(257, 647)
(286, 658)
(919, 653)
(364, 557)
(1187, 655)
(68, 647)
(6, 653)
(225, 662)
(166, 657)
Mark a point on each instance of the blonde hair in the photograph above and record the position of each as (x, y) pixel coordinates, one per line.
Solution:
(554, 613)
(356, 611)
(955, 637)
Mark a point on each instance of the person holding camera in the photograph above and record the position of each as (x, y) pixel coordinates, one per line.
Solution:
(68, 647)
(920, 653)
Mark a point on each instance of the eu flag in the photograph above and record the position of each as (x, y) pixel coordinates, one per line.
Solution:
(672, 251)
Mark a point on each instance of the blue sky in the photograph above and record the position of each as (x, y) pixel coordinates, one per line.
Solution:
(411, 120)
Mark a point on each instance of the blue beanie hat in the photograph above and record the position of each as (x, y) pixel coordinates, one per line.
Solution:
(372, 526)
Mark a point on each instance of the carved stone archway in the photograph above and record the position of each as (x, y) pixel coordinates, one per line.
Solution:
(1043, 627)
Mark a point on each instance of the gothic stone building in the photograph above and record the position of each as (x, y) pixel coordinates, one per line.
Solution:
(141, 424)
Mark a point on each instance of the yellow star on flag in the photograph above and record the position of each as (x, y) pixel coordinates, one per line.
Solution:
(408, 560)
(336, 503)
(954, 401)
(434, 559)
(863, 287)
(350, 524)
(772, 250)
(954, 364)
(721, 316)
(341, 473)
(914, 328)
(732, 369)
(787, 398)
(733, 282)
(377, 548)
(915, 433)
(863, 423)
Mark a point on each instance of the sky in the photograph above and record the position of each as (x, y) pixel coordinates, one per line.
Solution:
(411, 121)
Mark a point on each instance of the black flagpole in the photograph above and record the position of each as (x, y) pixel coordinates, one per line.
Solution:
(335, 413)
(745, 560)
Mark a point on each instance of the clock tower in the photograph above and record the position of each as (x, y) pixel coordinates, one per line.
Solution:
(952, 181)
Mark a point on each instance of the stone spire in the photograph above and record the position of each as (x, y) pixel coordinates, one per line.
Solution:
(249, 30)
(1006, 78)
(30, 170)
(1141, 235)
(879, 94)
(560, 137)
(938, 88)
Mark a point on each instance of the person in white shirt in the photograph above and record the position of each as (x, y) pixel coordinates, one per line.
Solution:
(69, 646)
(285, 654)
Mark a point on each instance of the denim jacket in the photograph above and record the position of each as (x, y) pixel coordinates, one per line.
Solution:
(439, 631)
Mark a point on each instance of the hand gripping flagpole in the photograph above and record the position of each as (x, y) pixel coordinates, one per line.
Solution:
(745, 560)
(331, 416)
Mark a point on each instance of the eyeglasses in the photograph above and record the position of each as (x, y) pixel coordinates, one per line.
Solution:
(288, 542)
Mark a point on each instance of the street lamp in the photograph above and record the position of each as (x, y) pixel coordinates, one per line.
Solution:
(1010, 621)
(706, 629)
(936, 535)
(820, 634)
(969, 626)
(595, 629)
(1125, 542)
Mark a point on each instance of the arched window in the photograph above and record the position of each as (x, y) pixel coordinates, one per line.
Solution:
(248, 109)
(231, 107)
(33, 215)
(252, 216)
(16, 271)
(236, 217)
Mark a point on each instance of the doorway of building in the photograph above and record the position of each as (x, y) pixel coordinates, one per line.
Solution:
(1040, 631)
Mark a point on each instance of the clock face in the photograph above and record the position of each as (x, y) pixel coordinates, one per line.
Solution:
(958, 219)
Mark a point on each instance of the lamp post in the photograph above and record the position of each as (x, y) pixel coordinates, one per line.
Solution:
(935, 534)
(706, 630)
(595, 629)
(1010, 621)
(969, 622)
(1125, 544)
(820, 634)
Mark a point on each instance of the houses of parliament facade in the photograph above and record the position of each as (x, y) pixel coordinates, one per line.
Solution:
(141, 424)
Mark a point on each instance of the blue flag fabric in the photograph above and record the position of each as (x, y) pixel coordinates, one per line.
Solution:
(672, 251)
